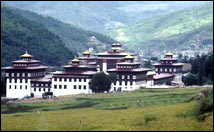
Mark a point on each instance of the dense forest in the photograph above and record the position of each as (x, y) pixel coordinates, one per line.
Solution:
(19, 34)
(76, 39)
(201, 72)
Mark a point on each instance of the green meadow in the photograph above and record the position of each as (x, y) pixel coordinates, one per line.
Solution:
(159, 109)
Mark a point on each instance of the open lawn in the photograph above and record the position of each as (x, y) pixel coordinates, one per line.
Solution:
(161, 109)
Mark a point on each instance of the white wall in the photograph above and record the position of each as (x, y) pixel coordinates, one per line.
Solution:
(70, 87)
(17, 93)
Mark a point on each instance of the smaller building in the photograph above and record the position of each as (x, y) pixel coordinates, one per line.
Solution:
(168, 65)
(20, 75)
(130, 75)
(74, 79)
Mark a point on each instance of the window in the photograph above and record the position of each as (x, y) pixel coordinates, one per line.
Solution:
(39, 89)
(161, 69)
(170, 69)
(12, 75)
(20, 80)
(70, 79)
(79, 86)
(174, 69)
(120, 83)
(49, 90)
(165, 69)
(128, 77)
(42, 85)
(46, 85)
(75, 87)
(34, 89)
(15, 80)
(23, 74)
(37, 84)
(20, 87)
(55, 86)
(65, 86)
(80, 79)
(44, 89)
(115, 82)
(134, 77)
(65, 79)
(123, 76)
(15, 86)
(75, 79)
(84, 87)
(17, 74)
(55, 79)
(131, 83)
(25, 80)
(60, 86)
(156, 69)
(9, 86)
(25, 87)
(84, 79)
(125, 83)
(60, 79)
(10, 80)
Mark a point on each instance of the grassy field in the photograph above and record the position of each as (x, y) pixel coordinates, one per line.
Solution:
(161, 109)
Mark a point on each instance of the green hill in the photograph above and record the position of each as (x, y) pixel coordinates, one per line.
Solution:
(173, 30)
(19, 34)
(101, 16)
(75, 39)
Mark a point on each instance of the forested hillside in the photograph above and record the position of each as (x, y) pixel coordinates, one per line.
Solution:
(19, 34)
(76, 39)
(101, 16)
(171, 31)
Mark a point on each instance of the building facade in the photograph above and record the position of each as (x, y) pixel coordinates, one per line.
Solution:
(20, 75)
(109, 59)
(130, 75)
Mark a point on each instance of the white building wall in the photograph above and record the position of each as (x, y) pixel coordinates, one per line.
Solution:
(128, 87)
(104, 66)
(70, 87)
(18, 93)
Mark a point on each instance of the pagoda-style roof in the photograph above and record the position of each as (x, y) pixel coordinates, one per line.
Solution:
(122, 54)
(129, 56)
(26, 61)
(86, 52)
(129, 63)
(27, 68)
(169, 54)
(75, 60)
(26, 55)
(168, 64)
(129, 70)
(163, 75)
(45, 79)
(116, 44)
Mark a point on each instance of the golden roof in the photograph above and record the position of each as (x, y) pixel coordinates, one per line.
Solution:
(26, 55)
(129, 57)
(75, 60)
(169, 53)
(86, 52)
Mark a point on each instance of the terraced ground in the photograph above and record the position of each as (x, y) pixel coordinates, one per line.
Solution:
(161, 109)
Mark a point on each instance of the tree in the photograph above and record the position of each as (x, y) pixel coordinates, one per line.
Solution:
(3, 85)
(100, 82)
(190, 79)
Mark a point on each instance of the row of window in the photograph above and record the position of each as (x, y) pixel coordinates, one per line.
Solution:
(74, 87)
(41, 85)
(15, 80)
(17, 74)
(126, 83)
(44, 89)
(70, 79)
(15, 87)
(166, 62)
(126, 77)
(166, 69)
